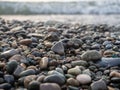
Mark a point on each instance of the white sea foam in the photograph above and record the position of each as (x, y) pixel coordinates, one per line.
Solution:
(73, 7)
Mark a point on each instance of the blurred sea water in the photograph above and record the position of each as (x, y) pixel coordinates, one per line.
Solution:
(98, 7)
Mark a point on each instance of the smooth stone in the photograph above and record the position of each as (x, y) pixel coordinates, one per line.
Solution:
(69, 76)
(18, 70)
(108, 62)
(9, 53)
(9, 79)
(41, 78)
(108, 46)
(55, 78)
(52, 29)
(5, 86)
(59, 70)
(72, 82)
(91, 55)
(34, 85)
(44, 63)
(114, 74)
(27, 72)
(84, 78)
(98, 85)
(25, 41)
(49, 86)
(17, 57)
(28, 79)
(74, 71)
(58, 48)
(11, 66)
(79, 63)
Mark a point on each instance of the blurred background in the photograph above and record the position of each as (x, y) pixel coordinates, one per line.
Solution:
(63, 9)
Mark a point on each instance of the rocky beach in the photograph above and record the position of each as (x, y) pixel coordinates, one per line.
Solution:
(54, 55)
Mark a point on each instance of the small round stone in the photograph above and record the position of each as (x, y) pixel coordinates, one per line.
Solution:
(84, 78)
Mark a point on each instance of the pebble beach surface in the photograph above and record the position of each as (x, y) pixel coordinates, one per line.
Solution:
(54, 55)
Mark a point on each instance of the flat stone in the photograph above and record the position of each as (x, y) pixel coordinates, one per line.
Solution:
(79, 63)
(108, 62)
(9, 53)
(27, 72)
(5, 86)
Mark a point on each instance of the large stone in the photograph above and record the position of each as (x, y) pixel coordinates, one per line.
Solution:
(11, 66)
(84, 78)
(58, 48)
(49, 86)
(91, 55)
(98, 85)
(5, 86)
(9, 53)
(55, 78)
(27, 72)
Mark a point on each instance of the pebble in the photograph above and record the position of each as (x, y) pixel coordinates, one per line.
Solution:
(115, 74)
(84, 78)
(11, 66)
(72, 82)
(44, 63)
(74, 71)
(49, 86)
(99, 85)
(27, 72)
(55, 78)
(5, 86)
(28, 79)
(108, 62)
(91, 55)
(9, 53)
(58, 48)
(9, 79)
(79, 63)
(25, 41)
(34, 85)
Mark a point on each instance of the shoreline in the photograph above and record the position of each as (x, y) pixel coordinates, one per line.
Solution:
(82, 19)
